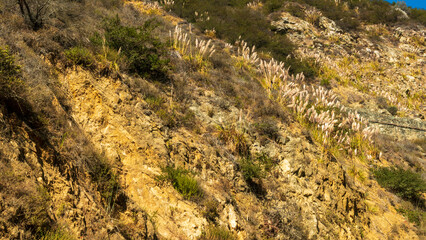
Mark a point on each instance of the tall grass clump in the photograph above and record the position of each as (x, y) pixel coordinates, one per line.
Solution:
(58, 234)
(107, 183)
(232, 20)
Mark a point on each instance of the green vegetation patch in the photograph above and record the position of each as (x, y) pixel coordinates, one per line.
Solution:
(145, 54)
(58, 234)
(404, 183)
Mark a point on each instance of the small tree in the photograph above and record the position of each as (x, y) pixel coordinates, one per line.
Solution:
(10, 75)
(34, 12)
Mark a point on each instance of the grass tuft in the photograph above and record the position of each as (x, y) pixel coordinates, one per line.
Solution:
(183, 182)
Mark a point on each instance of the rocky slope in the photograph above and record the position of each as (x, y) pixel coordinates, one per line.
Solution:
(84, 155)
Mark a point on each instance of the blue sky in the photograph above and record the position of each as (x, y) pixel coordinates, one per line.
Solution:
(413, 3)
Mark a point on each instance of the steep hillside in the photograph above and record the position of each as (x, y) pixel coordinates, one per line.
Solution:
(212, 120)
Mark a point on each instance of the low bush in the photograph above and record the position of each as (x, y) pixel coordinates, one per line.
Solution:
(183, 182)
(418, 14)
(392, 110)
(267, 128)
(272, 5)
(405, 183)
(256, 167)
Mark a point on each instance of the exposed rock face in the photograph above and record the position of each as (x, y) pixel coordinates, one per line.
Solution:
(289, 23)
(302, 197)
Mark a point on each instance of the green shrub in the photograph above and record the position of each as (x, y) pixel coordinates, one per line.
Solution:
(266, 161)
(217, 233)
(145, 54)
(232, 19)
(325, 82)
(295, 10)
(10, 75)
(349, 23)
(183, 182)
(169, 118)
(404, 183)
(80, 56)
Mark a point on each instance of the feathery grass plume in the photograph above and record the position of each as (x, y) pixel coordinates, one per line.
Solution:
(153, 5)
(181, 41)
(203, 48)
(254, 5)
(228, 45)
(166, 3)
(247, 54)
